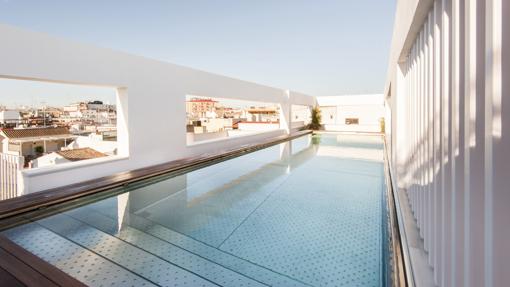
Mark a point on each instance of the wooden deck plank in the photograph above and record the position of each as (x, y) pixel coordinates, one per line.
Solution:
(6, 279)
(22, 272)
(52, 273)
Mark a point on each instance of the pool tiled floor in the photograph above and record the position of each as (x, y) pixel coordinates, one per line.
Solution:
(304, 213)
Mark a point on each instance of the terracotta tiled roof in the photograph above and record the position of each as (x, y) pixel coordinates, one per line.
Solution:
(35, 132)
(80, 154)
(202, 101)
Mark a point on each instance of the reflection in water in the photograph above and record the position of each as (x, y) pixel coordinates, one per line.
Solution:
(211, 202)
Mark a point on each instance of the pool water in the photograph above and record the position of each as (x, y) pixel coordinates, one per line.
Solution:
(308, 212)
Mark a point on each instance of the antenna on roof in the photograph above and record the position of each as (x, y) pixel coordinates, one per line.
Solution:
(44, 113)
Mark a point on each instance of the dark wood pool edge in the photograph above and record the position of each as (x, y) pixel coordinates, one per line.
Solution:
(37, 200)
(402, 273)
(19, 267)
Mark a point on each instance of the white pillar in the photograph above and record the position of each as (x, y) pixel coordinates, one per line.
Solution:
(285, 112)
(123, 146)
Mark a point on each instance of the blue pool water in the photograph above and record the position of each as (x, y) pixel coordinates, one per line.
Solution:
(309, 212)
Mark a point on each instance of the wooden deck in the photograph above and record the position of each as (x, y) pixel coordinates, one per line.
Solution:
(18, 267)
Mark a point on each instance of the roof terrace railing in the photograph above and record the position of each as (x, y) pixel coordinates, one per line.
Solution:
(10, 167)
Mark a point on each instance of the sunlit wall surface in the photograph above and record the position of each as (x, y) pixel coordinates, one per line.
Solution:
(448, 86)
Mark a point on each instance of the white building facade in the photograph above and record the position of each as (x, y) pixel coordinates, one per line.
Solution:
(9, 118)
(352, 113)
(448, 87)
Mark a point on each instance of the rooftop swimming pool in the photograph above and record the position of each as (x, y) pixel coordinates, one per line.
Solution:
(307, 212)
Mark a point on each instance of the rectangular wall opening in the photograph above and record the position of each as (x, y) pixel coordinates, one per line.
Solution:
(48, 125)
(219, 118)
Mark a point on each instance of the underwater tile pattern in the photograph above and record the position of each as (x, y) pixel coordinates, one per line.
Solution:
(331, 237)
(303, 213)
(77, 261)
(181, 249)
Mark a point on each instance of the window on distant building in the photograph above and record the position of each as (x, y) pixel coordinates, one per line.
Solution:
(351, 121)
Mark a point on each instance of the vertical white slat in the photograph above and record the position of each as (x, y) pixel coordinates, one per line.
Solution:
(439, 143)
(413, 129)
(417, 138)
(446, 185)
(475, 140)
(477, 149)
(447, 147)
(420, 129)
(413, 138)
(423, 120)
(9, 177)
(13, 176)
(424, 129)
(430, 131)
(497, 146)
(412, 95)
(3, 177)
(425, 137)
(457, 246)
(415, 121)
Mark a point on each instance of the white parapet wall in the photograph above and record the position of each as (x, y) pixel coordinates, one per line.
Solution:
(150, 101)
(448, 86)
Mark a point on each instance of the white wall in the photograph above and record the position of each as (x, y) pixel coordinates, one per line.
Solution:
(255, 126)
(50, 159)
(9, 117)
(448, 86)
(146, 137)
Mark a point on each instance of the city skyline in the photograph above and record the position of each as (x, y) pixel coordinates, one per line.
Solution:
(16, 93)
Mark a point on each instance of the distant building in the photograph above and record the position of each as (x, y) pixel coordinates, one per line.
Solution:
(96, 142)
(263, 114)
(10, 118)
(99, 106)
(66, 156)
(92, 113)
(198, 108)
(34, 142)
(358, 113)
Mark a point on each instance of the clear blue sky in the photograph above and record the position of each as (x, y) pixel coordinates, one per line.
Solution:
(322, 47)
